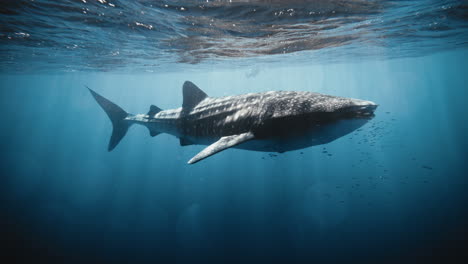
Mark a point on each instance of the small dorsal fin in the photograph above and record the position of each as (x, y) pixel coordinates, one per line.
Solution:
(153, 110)
(192, 95)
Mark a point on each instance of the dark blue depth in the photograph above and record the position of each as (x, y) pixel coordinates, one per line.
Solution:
(394, 191)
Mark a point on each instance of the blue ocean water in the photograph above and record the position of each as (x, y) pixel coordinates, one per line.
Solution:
(391, 192)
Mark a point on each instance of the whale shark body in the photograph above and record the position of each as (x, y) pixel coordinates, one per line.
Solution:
(276, 121)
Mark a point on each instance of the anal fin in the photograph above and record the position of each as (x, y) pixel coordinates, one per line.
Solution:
(222, 144)
(185, 142)
(154, 133)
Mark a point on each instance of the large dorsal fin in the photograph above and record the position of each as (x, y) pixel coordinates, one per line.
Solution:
(222, 144)
(192, 95)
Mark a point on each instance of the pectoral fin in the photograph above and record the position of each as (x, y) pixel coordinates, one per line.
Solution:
(222, 144)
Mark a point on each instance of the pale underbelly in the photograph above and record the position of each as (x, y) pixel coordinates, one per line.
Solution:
(298, 140)
(289, 142)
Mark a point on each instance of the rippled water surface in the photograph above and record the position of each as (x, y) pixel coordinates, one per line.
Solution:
(144, 35)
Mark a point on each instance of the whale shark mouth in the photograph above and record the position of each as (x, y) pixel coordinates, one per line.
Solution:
(361, 110)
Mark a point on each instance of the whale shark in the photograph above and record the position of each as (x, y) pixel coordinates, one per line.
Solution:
(275, 121)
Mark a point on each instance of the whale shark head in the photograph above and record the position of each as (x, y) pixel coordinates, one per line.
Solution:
(356, 108)
(307, 104)
(307, 119)
(343, 116)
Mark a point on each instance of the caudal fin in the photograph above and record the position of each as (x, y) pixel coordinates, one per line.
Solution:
(117, 115)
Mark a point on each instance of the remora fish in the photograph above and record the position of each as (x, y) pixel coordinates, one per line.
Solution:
(270, 121)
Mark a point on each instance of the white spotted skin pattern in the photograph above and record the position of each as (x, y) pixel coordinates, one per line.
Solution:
(213, 118)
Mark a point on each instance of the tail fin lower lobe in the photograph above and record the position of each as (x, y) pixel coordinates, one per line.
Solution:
(117, 116)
